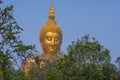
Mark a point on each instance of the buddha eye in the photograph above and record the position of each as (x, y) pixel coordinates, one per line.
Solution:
(56, 39)
(48, 38)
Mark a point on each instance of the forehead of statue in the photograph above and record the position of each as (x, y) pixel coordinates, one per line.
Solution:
(51, 34)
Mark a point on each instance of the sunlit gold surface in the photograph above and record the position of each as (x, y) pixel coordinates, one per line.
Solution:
(51, 35)
(39, 62)
(28, 65)
(50, 40)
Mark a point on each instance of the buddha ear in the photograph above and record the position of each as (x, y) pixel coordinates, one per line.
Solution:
(41, 42)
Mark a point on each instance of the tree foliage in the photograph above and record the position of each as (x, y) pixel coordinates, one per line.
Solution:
(13, 52)
(86, 59)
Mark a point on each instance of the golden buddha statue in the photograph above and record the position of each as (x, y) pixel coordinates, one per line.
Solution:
(51, 35)
(50, 40)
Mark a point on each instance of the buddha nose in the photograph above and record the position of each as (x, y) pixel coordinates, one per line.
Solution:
(53, 42)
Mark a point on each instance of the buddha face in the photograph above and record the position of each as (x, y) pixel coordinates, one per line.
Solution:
(51, 42)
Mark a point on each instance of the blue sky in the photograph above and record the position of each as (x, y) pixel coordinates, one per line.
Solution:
(98, 18)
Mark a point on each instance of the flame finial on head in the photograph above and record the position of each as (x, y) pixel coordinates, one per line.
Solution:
(51, 12)
(51, 29)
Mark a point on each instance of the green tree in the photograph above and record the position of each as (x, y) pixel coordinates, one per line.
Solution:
(118, 65)
(86, 59)
(118, 62)
(13, 52)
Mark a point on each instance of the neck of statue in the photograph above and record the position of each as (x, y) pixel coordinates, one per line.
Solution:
(51, 57)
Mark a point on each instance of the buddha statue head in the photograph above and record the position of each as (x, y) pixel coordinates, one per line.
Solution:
(51, 35)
